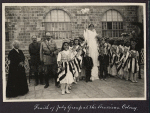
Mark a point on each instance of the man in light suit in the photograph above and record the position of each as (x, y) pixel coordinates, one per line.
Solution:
(48, 53)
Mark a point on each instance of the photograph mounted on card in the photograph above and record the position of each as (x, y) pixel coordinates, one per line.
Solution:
(74, 52)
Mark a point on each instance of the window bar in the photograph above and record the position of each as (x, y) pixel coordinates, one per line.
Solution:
(112, 22)
(57, 15)
(112, 15)
(64, 16)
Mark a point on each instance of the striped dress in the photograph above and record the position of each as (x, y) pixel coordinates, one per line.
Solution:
(66, 75)
(133, 65)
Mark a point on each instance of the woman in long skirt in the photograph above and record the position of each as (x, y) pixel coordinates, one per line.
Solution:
(17, 82)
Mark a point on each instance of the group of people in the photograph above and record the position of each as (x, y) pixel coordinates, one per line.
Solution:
(81, 57)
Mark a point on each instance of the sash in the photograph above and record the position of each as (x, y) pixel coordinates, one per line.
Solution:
(77, 64)
(114, 61)
(121, 61)
(126, 60)
(63, 72)
(133, 65)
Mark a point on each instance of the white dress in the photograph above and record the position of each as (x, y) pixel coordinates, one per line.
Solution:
(64, 57)
(90, 37)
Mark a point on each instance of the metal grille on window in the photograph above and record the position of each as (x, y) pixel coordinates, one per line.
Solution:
(58, 23)
(112, 24)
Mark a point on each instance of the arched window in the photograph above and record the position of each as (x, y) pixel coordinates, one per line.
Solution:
(112, 24)
(58, 23)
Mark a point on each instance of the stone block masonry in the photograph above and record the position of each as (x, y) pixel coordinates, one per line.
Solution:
(25, 21)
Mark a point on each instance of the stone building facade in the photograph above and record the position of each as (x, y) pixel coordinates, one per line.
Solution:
(22, 22)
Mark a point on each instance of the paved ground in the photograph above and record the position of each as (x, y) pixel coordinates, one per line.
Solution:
(111, 88)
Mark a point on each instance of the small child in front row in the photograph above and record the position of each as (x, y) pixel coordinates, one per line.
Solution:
(88, 64)
(110, 57)
(65, 73)
(133, 65)
(113, 65)
(120, 62)
(125, 62)
(104, 62)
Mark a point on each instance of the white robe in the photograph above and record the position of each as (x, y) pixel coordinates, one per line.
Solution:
(90, 37)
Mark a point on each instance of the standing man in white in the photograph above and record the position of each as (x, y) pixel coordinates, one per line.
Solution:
(90, 37)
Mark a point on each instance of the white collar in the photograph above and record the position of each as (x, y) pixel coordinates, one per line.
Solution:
(17, 50)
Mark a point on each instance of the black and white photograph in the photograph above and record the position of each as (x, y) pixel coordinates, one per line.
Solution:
(73, 51)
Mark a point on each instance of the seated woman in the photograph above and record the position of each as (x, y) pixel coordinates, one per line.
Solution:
(17, 82)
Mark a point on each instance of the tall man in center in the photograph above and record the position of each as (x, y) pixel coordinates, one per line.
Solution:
(48, 53)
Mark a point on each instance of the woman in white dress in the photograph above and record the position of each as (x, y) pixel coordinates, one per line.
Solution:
(90, 37)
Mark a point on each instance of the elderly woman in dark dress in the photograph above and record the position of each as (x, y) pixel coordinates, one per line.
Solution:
(17, 82)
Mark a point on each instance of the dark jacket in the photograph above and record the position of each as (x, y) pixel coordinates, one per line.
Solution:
(34, 51)
(88, 62)
(103, 59)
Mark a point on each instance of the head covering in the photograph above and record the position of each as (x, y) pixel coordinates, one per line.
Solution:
(121, 47)
(34, 36)
(76, 38)
(81, 38)
(105, 44)
(90, 25)
(48, 34)
(127, 48)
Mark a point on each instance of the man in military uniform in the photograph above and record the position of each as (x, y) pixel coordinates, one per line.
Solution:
(34, 51)
(48, 52)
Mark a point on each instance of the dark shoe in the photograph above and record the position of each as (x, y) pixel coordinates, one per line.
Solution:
(140, 77)
(42, 83)
(46, 86)
(57, 85)
(36, 84)
(90, 80)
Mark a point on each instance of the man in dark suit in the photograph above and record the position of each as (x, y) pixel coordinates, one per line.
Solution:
(88, 63)
(34, 51)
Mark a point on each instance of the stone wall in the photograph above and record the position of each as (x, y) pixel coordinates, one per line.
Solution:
(25, 21)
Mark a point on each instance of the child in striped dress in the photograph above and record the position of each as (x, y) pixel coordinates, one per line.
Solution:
(65, 68)
(125, 62)
(77, 59)
(114, 59)
(120, 62)
(110, 57)
(133, 65)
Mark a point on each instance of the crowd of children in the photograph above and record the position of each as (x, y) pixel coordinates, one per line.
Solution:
(116, 59)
